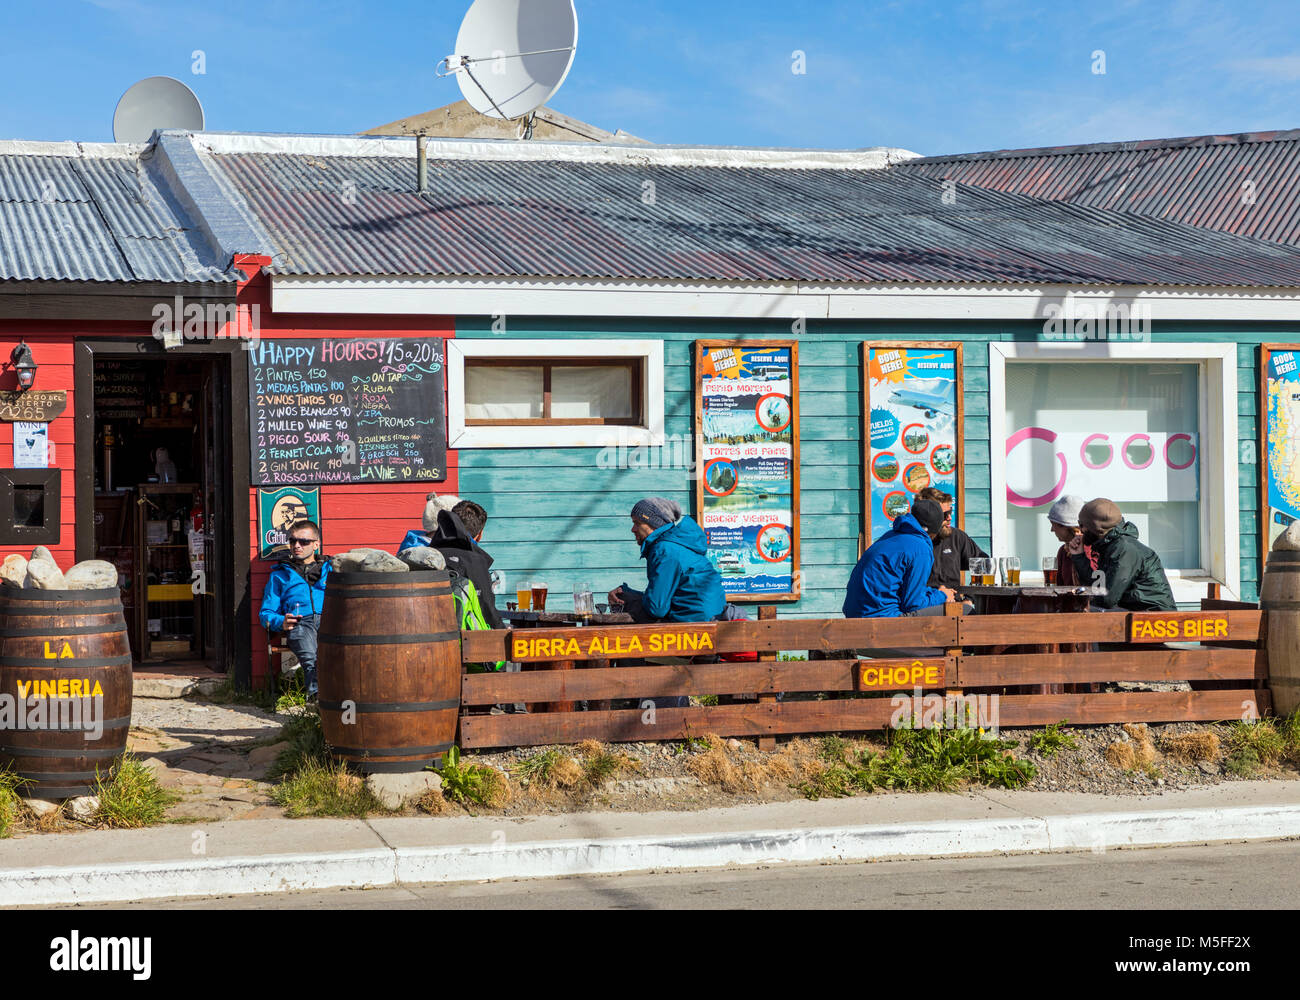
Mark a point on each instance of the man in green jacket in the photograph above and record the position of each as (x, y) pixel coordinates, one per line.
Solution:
(1134, 578)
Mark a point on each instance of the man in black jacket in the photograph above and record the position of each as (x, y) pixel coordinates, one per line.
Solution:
(459, 530)
(953, 549)
(1135, 579)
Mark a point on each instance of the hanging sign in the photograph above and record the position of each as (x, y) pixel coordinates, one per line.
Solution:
(912, 411)
(277, 510)
(747, 493)
(37, 405)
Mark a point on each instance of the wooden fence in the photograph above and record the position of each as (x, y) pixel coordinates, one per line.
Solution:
(1226, 664)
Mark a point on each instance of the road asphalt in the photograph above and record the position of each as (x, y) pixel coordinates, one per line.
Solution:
(273, 855)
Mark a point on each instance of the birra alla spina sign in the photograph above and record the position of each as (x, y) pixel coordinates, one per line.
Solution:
(534, 645)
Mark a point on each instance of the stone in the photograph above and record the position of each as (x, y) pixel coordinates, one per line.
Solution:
(83, 807)
(1289, 540)
(146, 686)
(436, 503)
(41, 552)
(92, 574)
(42, 807)
(1209, 767)
(422, 557)
(369, 561)
(14, 569)
(393, 789)
(43, 574)
(260, 757)
(734, 744)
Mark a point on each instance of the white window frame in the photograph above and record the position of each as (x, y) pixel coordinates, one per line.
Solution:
(1217, 385)
(650, 433)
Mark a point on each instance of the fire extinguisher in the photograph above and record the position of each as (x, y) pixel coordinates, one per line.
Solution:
(196, 515)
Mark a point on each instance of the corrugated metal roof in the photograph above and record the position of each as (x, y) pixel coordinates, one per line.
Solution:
(360, 215)
(101, 216)
(1247, 184)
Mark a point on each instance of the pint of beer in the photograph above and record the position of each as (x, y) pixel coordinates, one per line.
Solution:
(539, 595)
(524, 594)
(1011, 571)
(1049, 571)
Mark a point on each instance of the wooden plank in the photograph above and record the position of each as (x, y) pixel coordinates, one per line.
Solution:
(540, 645)
(997, 630)
(656, 681)
(1145, 665)
(762, 636)
(1130, 706)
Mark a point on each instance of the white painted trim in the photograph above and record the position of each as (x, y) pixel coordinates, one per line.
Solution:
(555, 436)
(518, 150)
(468, 296)
(1220, 523)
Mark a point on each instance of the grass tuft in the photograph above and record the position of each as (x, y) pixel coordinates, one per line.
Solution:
(1190, 748)
(1252, 746)
(325, 788)
(302, 732)
(1053, 739)
(472, 783)
(11, 803)
(132, 798)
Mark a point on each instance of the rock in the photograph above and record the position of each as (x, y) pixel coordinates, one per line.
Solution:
(91, 574)
(41, 552)
(265, 756)
(42, 807)
(422, 557)
(14, 569)
(436, 503)
(1289, 540)
(147, 686)
(83, 807)
(369, 561)
(1209, 767)
(43, 574)
(734, 744)
(394, 789)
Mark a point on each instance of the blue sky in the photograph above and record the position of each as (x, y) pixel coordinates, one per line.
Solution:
(934, 77)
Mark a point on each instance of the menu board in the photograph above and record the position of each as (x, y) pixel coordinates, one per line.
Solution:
(913, 412)
(747, 423)
(120, 390)
(359, 410)
(1280, 408)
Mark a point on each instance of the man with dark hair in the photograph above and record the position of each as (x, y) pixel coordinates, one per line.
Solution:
(458, 543)
(953, 549)
(1134, 578)
(295, 594)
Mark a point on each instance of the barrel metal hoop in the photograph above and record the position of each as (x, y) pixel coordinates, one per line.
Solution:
(390, 751)
(408, 639)
(59, 633)
(60, 775)
(1289, 567)
(74, 663)
(14, 611)
(1280, 606)
(394, 767)
(21, 595)
(368, 592)
(393, 706)
(373, 579)
(60, 751)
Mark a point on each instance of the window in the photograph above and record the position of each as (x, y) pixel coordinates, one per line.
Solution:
(514, 392)
(29, 506)
(554, 393)
(1151, 426)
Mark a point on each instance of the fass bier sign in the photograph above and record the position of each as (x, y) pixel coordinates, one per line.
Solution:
(1156, 627)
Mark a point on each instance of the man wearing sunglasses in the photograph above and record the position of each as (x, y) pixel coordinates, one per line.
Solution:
(295, 594)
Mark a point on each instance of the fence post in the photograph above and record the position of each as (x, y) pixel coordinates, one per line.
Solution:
(953, 610)
(767, 613)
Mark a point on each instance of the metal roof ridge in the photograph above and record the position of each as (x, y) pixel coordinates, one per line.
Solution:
(1132, 145)
(518, 150)
(71, 148)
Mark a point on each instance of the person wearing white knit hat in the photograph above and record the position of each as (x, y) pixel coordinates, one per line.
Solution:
(1063, 519)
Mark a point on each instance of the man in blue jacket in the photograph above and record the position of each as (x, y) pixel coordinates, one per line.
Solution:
(889, 580)
(295, 595)
(683, 585)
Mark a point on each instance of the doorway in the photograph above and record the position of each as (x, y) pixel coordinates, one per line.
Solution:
(155, 481)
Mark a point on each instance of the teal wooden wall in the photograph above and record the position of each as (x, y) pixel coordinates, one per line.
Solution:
(555, 514)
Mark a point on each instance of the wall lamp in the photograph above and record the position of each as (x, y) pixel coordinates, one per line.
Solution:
(25, 365)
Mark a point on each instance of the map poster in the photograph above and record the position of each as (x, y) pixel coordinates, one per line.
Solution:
(913, 423)
(747, 433)
(277, 510)
(1280, 429)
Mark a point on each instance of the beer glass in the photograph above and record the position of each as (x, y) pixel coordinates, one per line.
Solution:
(1011, 571)
(1049, 571)
(583, 605)
(524, 594)
(981, 572)
(539, 595)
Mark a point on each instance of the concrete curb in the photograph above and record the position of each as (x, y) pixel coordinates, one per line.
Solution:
(387, 866)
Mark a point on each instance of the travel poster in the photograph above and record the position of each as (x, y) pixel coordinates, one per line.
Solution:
(747, 422)
(914, 426)
(1282, 439)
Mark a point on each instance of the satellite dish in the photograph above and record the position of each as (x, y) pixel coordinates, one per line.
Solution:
(155, 102)
(513, 55)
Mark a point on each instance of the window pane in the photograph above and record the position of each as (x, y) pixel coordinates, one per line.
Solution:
(1068, 417)
(582, 392)
(495, 392)
(29, 506)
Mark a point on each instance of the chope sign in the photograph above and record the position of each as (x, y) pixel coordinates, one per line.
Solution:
(535, 645)
(893, 675)
(1155, 627)
(34, 405)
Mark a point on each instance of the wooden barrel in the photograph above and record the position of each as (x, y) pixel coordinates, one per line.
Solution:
(65, 669)
(388, 669)
(1279, 595)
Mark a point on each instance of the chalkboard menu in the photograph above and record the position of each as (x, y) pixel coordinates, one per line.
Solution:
(120, 388)
(347, 411)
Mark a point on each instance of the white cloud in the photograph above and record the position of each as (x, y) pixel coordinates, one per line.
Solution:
(1273, 67)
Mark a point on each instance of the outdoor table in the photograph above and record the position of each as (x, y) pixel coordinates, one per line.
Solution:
(564, 619)
(1028, 599)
